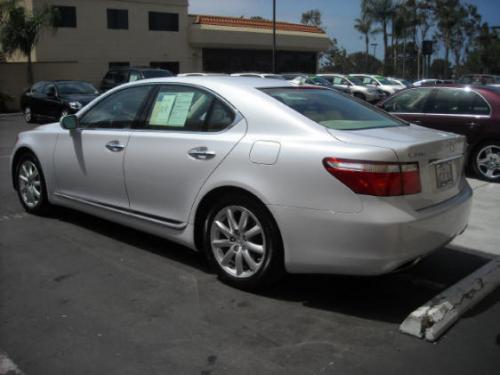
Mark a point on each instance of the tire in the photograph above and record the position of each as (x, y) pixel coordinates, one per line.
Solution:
(30, 184)
(248, 262)
(485, 161)
(29, 117)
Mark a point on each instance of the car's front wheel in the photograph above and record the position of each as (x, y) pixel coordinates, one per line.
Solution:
(486, 161)
(29, 117)
(243, 243)
(30, 184)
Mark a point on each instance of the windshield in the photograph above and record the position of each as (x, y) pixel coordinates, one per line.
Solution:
(332, 110)
(385, 81)
(156, 73)
(75, 87)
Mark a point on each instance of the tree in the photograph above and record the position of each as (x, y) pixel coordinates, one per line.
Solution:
(312, 17)
(364, 26)
(382, 12)
(335, 59)
(21, 30)
(440, 68)
(447, 14)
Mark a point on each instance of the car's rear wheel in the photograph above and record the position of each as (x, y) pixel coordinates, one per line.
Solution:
(486, 161)
(29, 117)
(31, 186)
(243, 243)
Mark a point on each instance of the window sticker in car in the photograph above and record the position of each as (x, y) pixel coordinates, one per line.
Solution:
(180, 110)
(162, 108)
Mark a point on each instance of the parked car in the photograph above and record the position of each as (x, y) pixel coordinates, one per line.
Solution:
(313, 80)
(49, 100)
(354, 86)
(262, 176)
(259, 75)
(400, 81)
(200, 74)
(290, 76)
(379, 82)
(432, 82)
(480, 79)
(120, 75)
(470, 111)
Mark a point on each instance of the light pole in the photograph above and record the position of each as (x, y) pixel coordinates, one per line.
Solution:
(274, 36)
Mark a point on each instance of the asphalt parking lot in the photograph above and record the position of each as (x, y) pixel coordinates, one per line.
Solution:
(82, 295)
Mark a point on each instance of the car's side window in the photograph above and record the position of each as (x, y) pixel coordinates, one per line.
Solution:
(337, 81)
(410, 101)
(457, 102)
(49, 89)
(183, 108)
(117, 111)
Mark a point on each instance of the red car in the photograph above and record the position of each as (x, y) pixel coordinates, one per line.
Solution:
(473, 111)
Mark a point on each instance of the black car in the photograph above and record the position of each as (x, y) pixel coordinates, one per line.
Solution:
(117, 76)
(53, 99)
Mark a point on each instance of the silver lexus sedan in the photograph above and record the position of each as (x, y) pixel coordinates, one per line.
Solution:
(262, 176)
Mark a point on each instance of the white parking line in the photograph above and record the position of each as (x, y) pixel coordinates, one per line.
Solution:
(431, 320)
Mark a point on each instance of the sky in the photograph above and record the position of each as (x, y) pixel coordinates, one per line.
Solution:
(338, 15)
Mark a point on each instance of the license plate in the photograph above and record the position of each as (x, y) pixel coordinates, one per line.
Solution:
(444, 175)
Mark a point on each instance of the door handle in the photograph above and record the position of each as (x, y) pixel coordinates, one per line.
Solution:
(201, 153)
(115, 146)
(418, 122)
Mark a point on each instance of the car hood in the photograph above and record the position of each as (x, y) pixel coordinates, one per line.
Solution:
(84, 99)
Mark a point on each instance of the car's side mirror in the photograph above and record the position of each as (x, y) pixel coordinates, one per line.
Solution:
(70, 122)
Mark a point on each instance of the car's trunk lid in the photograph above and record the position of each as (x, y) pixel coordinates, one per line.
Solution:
(440, 157)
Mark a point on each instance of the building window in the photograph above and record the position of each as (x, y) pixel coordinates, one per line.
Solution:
(172, 66)
(163, 21)
(65, 16)
(118, 64)
(117, 19)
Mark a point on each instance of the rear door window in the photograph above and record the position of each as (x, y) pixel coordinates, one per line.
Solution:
(332, 110)
(457, 102)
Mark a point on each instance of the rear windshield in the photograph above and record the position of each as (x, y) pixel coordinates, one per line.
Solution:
(75, 87)
(330, 109)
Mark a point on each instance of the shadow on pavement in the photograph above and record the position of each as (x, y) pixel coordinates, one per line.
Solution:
(388, 298)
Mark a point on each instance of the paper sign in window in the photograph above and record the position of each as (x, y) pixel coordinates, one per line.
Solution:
(162, 109)
(180, 111)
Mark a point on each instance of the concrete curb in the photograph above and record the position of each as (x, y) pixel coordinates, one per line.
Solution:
(431, 320)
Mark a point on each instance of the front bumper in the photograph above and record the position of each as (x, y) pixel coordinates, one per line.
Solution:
(375, 241)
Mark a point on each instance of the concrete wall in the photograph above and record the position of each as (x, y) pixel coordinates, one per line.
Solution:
(13, 77)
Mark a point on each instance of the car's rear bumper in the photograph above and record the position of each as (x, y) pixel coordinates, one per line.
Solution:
(377, 240)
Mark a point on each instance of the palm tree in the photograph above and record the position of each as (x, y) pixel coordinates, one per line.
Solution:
(20, 30)
(447, 14)
(381, 11)
(364, 26)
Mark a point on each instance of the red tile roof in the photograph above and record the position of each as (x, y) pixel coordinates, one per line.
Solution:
(255, 24)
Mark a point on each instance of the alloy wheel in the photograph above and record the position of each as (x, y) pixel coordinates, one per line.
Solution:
(30, 186)
(488, 161)
(238, 241)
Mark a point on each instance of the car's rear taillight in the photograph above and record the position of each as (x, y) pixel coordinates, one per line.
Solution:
(375, 178)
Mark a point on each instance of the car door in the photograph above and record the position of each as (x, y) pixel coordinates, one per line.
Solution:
(187, 132)
(458, 110)
(35, 97)
(409, 105)
(89, 160)
(342, 84)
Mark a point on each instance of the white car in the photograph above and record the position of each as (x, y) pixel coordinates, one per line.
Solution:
(262, 176)
(380, 82)
(354, 86)
(200, 74)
